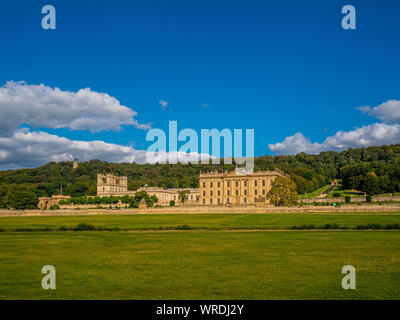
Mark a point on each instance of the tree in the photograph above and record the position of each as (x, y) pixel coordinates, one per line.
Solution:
(20, 197)
(283, 192)
(371, 184)
(183, 194)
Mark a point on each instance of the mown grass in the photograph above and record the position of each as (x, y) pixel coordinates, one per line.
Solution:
(198, 221)
(200, 265)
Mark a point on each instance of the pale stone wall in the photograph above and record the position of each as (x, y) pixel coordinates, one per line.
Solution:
(353, 199)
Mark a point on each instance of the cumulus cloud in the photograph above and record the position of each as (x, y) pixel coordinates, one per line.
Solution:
(43, 106)
(387, 112)
(163, 104)
(27, 148)
(295, 144)
(371, 135)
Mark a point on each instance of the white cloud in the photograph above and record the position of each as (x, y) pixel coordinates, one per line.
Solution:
(43, 106)
(387, 112)
(30, 149)
(371, 135)
(295, 144)
(163, 104)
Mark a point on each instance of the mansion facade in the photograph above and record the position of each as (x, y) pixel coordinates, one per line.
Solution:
(236, 187)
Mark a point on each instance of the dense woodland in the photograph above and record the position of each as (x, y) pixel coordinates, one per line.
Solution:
(372, 170)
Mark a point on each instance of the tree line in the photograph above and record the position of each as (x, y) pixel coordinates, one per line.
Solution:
(371, 170)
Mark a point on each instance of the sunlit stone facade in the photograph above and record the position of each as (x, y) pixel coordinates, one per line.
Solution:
(236, 187)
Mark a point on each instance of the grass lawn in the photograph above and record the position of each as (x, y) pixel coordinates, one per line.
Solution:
(200, 264)
(315, 193)
(202, 221)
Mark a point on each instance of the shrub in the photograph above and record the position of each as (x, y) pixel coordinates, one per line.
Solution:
(85, 227)
(63, 228)
(368, 198)
(172, 203)
(347, 199)
(336, 195)
(183, 227)
(55, 207)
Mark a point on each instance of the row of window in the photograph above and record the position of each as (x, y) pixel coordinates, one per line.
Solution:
(218, 200)
(228, 193)
(228, 183)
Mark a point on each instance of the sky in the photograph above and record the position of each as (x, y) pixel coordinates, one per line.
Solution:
(113, 70)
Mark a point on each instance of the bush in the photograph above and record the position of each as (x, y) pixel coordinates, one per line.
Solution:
(63, 228)
(347, 199)
(85, 227)
(183, 227)
(368, 198)
(172, 203)
(336, 195)
(55, 207)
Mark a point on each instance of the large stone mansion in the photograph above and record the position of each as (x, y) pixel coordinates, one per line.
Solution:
(236, 187)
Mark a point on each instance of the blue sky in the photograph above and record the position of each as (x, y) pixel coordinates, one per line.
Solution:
(279, 67)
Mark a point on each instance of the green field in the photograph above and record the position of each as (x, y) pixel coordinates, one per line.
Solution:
(200, 264)
(201, 221)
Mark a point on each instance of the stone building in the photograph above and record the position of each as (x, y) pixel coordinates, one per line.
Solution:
(109, 184)
(48, 202)
(236, 187)
(112, 185)
(75, 164)
(164, 196)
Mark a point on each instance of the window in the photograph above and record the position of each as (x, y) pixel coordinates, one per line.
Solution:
(210, 201)
(211, 193)
(104, 189)
(204, 193)
(263, 183)
(104, 180)
(228, 193)
(271, 183)
(245, 192)
(245, 200)
(245, 183)
(204, 184)
(211, 184)
(255, 199)
(218, 201)
(237, 184)
(191, 197)
(228, 183)
(255, 183)
(117, 181)
(219, 193)
(264, 191)
(219, 185)
(237, 192)
(255, 191)
(204, 201)
(227, 200)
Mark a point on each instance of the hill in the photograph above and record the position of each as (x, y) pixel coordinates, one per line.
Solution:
(372, 170)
